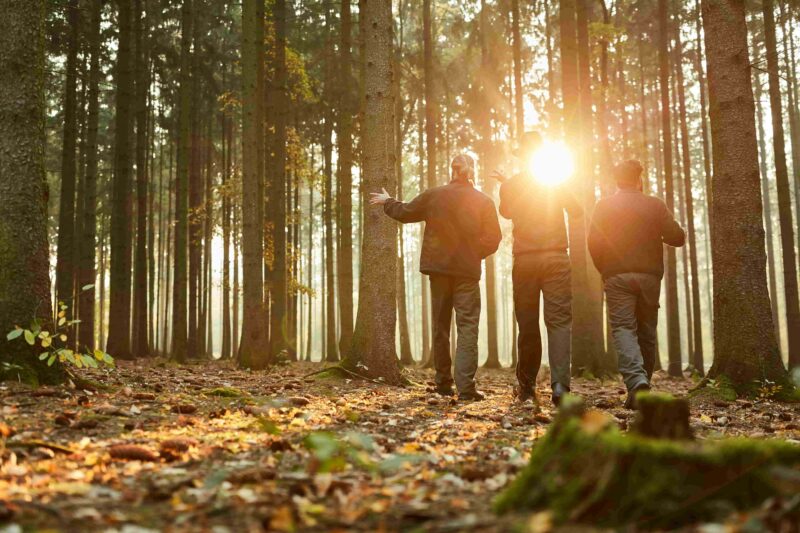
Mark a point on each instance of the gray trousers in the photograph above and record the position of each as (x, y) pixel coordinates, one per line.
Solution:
(546, 275)
(463, 295)
(633, 312)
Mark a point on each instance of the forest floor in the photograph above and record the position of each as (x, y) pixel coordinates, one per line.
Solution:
(209, 447)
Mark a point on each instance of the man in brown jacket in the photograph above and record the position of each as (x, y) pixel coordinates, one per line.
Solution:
(626, 240)
(461, 229)
(542, 269)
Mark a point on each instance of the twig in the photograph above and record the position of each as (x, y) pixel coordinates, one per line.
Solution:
(39, 444)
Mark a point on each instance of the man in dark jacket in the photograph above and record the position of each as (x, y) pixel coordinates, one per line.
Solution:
(626, 240)
(541, 268)
(461, 229)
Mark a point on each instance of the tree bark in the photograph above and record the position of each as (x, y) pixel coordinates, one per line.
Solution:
(180, 346)
(344, 180)
(87, 244)
(782, 182)
(696, 355)
(119, 322)
(254, 347)
(276, 193)
(65, 267)
(24, 254)
(140, 345)
(673, 321)
(374, 334)
(745, 349)
(767, 205)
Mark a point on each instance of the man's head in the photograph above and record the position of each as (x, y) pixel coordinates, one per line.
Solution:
(528, 143)
(628, 174)
(463, 168)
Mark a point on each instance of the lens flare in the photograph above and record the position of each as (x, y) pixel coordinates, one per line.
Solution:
(552, 163)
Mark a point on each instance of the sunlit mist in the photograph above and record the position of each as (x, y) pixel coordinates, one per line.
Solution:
(552, 163)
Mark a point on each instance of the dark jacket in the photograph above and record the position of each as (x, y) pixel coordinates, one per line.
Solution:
(628, 233)
(537, 211)
(461, 228)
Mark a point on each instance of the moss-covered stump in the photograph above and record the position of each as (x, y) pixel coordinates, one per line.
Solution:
(586, 470)
(660, 416)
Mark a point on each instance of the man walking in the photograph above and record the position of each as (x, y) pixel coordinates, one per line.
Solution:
(541, 268)
(626, 241)
(461, 229)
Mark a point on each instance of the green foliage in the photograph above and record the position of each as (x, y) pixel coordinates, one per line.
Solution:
(334, 453)
(55, 345)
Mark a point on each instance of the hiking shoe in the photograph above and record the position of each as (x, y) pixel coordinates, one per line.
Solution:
(559, 391)
(630, 401)
(473, 396)
(523, 395)
(444, 391)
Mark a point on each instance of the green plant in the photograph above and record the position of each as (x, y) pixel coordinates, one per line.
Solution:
(55, 345)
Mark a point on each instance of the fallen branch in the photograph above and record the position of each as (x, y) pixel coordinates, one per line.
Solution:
(39, 444)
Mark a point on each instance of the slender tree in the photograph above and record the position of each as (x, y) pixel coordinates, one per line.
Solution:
(65, 268)
(790, 288)
(673, 322)
(139, 340)
(254, 348)
(119, 320)
(344, 179)
(180, 346)
(277, 187)
(374, 335)
(87, 243)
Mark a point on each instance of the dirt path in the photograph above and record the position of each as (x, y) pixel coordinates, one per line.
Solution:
(208, 446)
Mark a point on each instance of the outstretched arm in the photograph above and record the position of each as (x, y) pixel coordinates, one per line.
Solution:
(405, 212)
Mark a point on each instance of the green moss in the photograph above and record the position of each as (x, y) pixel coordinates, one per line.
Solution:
(225, 392)
(721, 388)
(586, 470)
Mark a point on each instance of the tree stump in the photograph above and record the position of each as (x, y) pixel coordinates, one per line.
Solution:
(661, 416)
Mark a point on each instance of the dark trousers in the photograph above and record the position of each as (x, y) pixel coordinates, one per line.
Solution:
(632, 301)
(545, 274)
(463, 295)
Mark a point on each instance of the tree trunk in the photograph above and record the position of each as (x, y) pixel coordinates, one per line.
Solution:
(374, 334)
(696, 355)
(180, 346)
(784, 194)
(331, 347)
(227, 138)
(745, 349)
(65, 268)
(119, 322)
(87, 244)
(24, 254)
(139, 341)
(673, 321)
(519, 109)
(484, 130)
(344, 181)
(194, 338)
(254, 348)
(767, 204)
(277, 189)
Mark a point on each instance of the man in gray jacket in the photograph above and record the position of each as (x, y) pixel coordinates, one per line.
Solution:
(626, 240)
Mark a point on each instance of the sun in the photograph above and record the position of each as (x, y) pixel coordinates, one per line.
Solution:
(552, 163)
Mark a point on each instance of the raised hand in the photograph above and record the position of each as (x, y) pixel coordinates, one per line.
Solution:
(379, 198)
(498, 175)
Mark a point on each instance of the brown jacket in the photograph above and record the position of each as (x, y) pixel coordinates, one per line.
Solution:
(461, 228)
(628, 232)
(538, 214)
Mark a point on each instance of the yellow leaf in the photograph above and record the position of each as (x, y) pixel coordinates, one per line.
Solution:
(63, 337)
